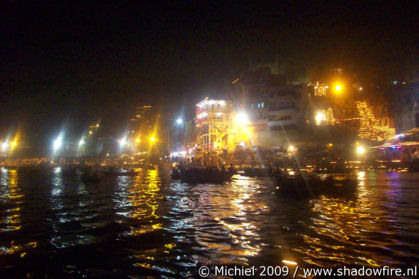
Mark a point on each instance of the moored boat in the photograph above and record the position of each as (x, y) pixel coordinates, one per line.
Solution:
(306, 186)
(203, 175)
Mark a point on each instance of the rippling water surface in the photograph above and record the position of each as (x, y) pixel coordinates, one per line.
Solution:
(53, 225)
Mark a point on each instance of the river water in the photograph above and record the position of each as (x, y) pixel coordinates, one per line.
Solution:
(55, 226)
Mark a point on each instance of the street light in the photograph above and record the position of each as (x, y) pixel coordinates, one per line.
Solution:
(152, 139)
(81, 142)
(179, 121)
(242, 118)
(360, 150)
(57, 143)
(320, 117)
(338, 88)
(13, 145)
(123, 142)
(4, 146)
(291, 148)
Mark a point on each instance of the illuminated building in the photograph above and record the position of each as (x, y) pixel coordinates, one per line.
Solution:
(271, 103)
(213, 118)
(320, 108)
(143, 121)
(370, 127)
(407, 106)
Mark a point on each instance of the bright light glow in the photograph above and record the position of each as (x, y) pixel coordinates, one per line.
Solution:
(202, 115)
(123, 142)
(179, 121)
(97, 125)
(90, 132)
(137, 140)
(4, 146)
(291, 148)
(242, 118)
(242, 144)
(360, 89)
(152, 139)
(178, 154)
(320, 117)
(289, 262)
(211, 102)
(57, 143)
(13, 144)
(338, 88)
(219, 114)
(360, 150)
(81, 142)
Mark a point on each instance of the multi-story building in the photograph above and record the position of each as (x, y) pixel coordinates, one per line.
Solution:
(407, 107)
(143, 120)
(272, 105)
(213, 118)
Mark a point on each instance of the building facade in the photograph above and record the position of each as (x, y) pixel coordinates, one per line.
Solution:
(213, 119)
(407, 107)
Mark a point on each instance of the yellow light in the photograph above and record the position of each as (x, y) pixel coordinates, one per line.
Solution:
(320, 117)
(360, 150)
(242, 118)
(152, 139)
(97, 125)
(291, 148)
(137, 140)
(90, 132)
(289, 262)
(338, 88)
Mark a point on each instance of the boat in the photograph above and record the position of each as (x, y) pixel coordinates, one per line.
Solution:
(91, 178)
(202, 175)
(121, 173)
(307, 186)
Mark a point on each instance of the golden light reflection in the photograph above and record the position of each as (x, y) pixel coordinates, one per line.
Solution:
(341, 221)
(145, 199)
(231, 214)
(13, 197)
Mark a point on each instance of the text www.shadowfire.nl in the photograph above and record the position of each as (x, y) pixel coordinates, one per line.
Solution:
(294, 271)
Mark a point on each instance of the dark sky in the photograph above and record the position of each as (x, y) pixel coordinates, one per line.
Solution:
(70, 63)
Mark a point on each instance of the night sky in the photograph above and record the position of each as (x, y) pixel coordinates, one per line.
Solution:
(68, 64)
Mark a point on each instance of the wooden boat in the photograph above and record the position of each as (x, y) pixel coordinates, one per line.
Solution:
(202, 175)
(91, 178)
(306, 186)
(121, 173)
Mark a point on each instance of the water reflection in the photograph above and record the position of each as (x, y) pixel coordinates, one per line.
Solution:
(142, 225)
(139, 200)
(222, 218)
(12, 199)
